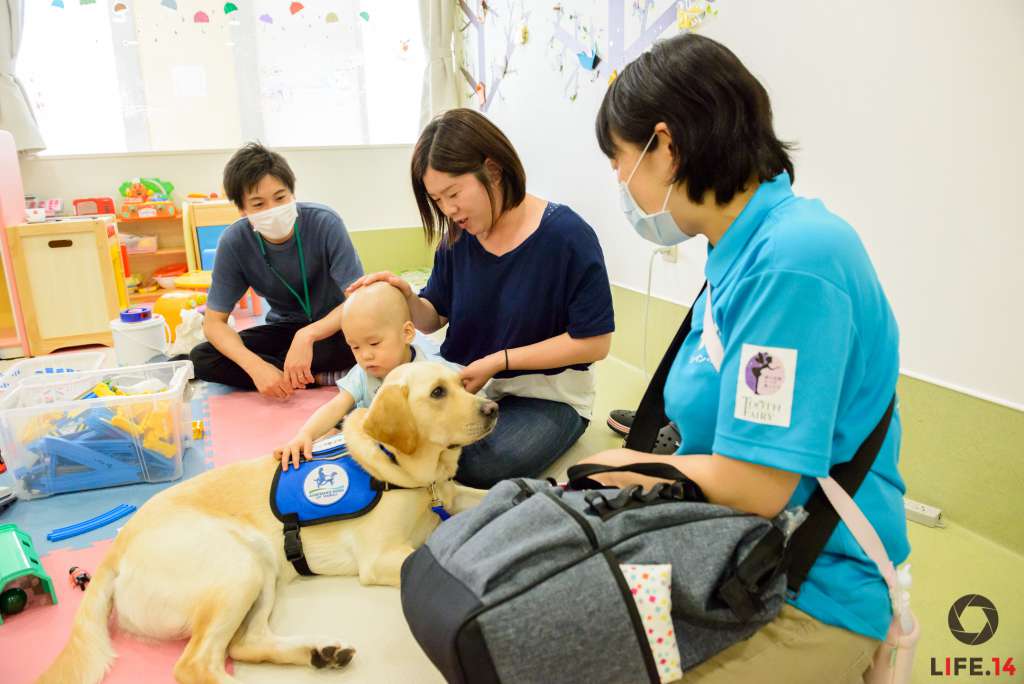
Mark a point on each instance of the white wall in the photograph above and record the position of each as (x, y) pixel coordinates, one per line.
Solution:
(908, 119)
(369, 186)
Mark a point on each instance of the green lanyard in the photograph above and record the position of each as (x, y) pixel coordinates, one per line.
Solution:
(304, 303)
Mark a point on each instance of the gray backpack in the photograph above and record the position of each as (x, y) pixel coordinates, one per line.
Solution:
(526, 587)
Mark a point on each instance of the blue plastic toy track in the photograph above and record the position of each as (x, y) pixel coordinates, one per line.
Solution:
(89, 525)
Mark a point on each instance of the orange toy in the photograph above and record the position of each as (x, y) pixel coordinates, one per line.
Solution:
(170, 306)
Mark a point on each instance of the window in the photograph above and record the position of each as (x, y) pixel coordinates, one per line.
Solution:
(159, 75)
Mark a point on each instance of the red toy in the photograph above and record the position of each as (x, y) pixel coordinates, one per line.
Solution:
(94, 205)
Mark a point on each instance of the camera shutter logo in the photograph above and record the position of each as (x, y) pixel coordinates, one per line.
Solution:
(977, 601)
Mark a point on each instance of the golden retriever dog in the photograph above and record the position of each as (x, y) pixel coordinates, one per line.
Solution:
(203, 559)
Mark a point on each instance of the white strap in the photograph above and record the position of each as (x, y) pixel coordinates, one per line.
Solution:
(709, 336)
(863, 532)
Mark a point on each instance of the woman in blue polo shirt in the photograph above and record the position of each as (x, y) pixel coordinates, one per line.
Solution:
(793, 354)
(521, 284)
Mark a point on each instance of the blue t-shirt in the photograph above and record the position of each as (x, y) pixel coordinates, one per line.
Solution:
(554, 282)
(810, 365)
(331, 265)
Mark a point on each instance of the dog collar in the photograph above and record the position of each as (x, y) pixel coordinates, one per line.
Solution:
(436, 504)
(387, 451)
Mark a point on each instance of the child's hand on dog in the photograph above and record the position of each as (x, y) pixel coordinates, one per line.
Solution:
(293, 452)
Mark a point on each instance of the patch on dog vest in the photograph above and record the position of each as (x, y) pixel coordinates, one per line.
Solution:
(330, 486)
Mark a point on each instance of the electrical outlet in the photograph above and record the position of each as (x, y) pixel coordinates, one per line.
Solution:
(670, 254)
(923, 513)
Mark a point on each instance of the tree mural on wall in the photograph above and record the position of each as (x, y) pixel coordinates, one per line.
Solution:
(575, 50)
(578, 47)
(513, 22)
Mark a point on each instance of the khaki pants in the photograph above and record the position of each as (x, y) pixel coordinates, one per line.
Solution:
(794, 648)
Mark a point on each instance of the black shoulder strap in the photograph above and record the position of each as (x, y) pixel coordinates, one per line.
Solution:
(650, 416)
(772, 555)
(810, 538)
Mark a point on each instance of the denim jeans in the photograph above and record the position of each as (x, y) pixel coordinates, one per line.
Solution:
(529, 436)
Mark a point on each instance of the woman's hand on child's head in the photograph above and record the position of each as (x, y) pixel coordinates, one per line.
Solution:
(381, 276)
(293, 451)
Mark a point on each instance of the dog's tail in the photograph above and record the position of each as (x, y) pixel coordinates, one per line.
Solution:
(88, 653)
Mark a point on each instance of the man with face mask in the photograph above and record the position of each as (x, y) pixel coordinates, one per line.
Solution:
(296, 255)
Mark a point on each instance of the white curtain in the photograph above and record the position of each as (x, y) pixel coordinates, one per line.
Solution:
(15, 113)
(440, 85)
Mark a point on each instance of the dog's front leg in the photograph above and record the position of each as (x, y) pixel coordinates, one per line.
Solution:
(386, 568)
(466, 498)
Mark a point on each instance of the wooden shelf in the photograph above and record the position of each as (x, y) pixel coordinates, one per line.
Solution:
(149, 219)
(136, 298)
(172, 251)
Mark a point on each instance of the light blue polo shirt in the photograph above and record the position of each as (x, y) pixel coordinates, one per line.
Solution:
(810, 365)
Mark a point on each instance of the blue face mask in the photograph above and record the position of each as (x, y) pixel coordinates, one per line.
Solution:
(659, 228)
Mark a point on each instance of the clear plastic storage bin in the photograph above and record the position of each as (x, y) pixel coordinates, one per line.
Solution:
(67, 433)
(54, 364)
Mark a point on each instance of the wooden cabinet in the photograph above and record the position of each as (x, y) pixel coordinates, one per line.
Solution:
(170, 250)
(67, 286)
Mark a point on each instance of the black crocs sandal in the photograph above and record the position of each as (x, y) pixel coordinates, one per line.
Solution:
(667, 441)
(620, 420)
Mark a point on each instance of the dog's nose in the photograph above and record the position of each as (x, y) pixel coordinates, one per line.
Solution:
(489, 409)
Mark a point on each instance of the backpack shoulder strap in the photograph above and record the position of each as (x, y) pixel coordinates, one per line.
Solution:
(810, 538)
(772, 554)
(650, 415)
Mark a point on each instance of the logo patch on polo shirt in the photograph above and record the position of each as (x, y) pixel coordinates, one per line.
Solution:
(764, 388)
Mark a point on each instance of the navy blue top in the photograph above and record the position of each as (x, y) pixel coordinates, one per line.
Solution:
(554, 282)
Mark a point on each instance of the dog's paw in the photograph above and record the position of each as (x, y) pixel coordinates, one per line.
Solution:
(331, 656)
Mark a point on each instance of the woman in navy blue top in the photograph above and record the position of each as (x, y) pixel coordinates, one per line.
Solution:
(521, 284)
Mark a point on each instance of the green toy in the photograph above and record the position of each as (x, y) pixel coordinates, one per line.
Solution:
(21, 573)
(147, 189)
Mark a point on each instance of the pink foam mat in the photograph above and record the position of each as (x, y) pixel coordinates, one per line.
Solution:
(241, 425)
(29, 641)
(246, 425)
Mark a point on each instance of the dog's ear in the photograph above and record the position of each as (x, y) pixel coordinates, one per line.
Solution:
(390, 419)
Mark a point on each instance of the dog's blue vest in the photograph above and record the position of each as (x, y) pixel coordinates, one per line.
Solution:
(330, 486)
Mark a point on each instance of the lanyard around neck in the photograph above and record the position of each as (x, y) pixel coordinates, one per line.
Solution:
(303, 302)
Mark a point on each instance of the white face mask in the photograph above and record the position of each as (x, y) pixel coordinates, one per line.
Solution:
(659, 228)
(276, 223)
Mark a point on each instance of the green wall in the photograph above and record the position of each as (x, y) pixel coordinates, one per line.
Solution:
(392, 249)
